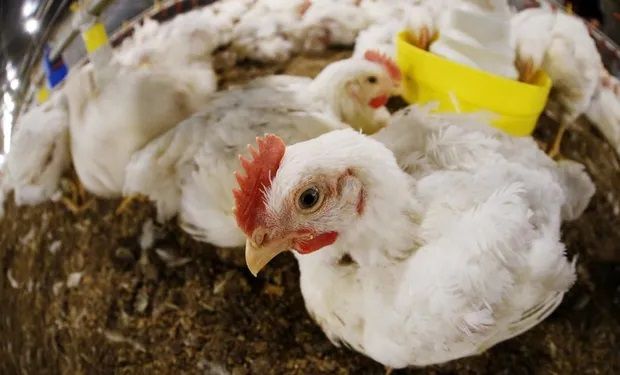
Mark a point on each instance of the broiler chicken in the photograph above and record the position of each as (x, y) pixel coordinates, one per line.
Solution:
(183, 46)
(559, 44)
(190, 167)
(39, 152)
(269, 30)
(332, 23)
(122, 100)
(108, 124)
(420, 267)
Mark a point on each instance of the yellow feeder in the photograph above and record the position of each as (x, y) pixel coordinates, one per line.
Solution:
(460, 88)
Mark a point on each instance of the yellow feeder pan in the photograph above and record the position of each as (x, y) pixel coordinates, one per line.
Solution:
(460, 88)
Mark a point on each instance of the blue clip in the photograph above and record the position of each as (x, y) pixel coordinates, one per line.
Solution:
(56, 70)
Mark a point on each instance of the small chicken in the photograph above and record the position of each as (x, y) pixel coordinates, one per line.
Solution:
(190, 167)
(559, 44)
(39, 152)
(422, 267)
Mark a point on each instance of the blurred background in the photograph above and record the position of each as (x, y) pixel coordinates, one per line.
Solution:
(31, 26)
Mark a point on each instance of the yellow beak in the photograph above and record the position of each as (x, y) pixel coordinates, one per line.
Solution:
(257, 257)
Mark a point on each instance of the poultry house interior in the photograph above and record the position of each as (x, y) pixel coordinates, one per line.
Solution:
(310, 186)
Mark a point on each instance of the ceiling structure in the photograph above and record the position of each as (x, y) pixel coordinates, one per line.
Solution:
(21, 51)
(16, 44)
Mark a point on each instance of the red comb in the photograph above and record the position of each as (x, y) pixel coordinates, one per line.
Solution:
(249, 203)
(388, 63)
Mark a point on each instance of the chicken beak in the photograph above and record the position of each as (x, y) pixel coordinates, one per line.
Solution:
(257, 257)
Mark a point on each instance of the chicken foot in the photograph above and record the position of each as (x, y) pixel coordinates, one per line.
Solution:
(526, 70)
(423, 38)
(78, 201)
(554, 150)
(128, 201)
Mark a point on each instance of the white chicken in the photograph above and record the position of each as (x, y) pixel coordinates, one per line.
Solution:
(39, 152)
(559, 44)
(422, 267)
(332, 23)
(121, 101)
(196, 159)
(269, 30)
(108, 124)
(181, 48)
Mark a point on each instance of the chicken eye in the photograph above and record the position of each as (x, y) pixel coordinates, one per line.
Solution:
(309, 199)
(372, 79)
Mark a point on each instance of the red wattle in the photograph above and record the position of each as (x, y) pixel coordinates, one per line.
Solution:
(379, 101)
(319, 241)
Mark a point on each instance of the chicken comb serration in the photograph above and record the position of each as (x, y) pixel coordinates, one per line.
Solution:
(249, 202)
(387, 62)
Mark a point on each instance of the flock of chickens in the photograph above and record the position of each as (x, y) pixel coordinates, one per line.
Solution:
(420, 237)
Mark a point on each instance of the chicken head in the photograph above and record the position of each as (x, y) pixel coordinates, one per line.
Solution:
(282, 203)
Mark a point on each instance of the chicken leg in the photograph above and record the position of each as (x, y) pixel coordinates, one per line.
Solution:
(526, 70)
(78, 202)
(128, 201)
(555, 150)
(422, 38)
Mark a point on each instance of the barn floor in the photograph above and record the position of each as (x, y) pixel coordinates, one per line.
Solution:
(79, 296)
